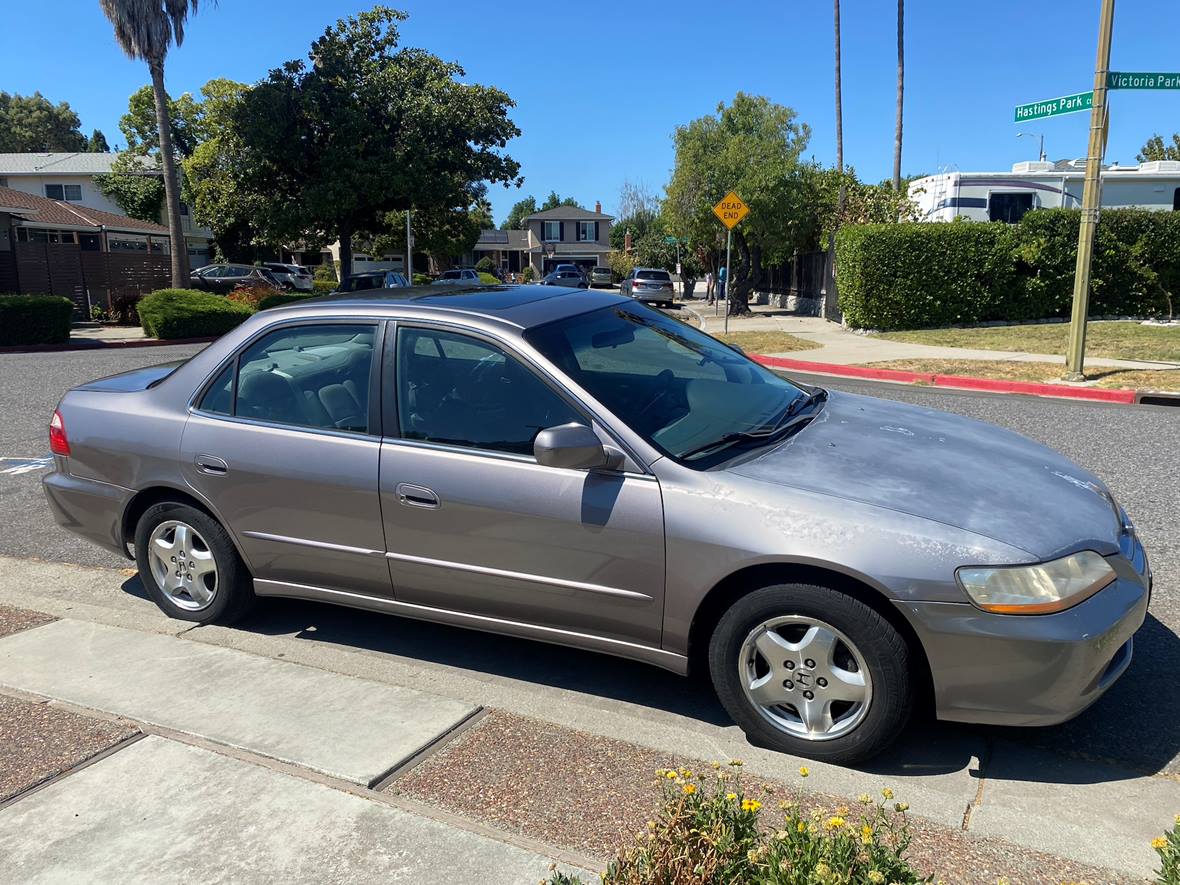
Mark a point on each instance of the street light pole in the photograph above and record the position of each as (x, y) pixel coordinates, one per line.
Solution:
(409, 268)
(1091, 197)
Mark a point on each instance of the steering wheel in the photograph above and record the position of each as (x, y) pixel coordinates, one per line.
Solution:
(664, 382)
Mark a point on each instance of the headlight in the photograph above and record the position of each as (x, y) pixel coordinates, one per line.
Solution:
(1037, 589)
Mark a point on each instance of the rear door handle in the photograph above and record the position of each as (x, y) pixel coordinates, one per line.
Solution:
(416, 496)
(211, 465)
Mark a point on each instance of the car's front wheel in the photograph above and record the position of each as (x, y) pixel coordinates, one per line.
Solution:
(189, 565)
(809, 670)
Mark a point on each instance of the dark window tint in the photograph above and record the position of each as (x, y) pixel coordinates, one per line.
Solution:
(54, 192)
(219, 398)
(310, 376)
(660, 275)
(1176, 200)
(462, 391)
(1008, 207)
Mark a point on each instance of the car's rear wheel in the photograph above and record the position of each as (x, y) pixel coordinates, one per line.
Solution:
(808, 670)
(189, 565)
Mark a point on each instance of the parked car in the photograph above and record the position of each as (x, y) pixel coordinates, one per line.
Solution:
(649, 284)
(293, 277)
(571, 279)
(591, 472)
(601, 276)
(224, 278)
(373, 279)
(458, 275)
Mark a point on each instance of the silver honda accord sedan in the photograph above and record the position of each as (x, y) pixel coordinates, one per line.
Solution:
(581, 469)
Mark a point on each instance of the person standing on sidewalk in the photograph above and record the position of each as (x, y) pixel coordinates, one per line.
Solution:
(708, 287)
(721, 281)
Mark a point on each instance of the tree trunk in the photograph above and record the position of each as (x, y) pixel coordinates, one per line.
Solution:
(839, 131)
(345, 251)
(179, 250)
(737, 289)
(900, 93)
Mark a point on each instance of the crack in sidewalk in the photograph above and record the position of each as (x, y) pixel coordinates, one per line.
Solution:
(984, 760)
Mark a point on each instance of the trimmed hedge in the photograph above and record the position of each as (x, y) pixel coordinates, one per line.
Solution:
(489, 279)
(281, 298)
(915, 275)
(34, 319)
(188, 313)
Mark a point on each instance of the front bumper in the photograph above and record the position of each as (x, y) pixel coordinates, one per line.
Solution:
(88, 508)
(1032, 669)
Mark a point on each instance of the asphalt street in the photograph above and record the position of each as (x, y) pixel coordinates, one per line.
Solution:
(1133, 448)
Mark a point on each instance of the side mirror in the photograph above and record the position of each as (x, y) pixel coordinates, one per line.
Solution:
(736, 347)
(573, 446)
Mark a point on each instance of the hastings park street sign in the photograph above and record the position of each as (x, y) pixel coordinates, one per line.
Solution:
(1052, 107)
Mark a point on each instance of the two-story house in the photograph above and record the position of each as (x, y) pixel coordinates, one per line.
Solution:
(568, 235)
(69, 177)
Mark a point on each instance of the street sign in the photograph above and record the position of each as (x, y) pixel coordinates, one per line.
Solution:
(730, 209)
(1053, 107)
(1142, 80)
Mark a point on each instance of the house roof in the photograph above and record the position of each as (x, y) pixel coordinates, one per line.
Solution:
(502, 239)
(56, 163)
(44, 211)
(569, 213)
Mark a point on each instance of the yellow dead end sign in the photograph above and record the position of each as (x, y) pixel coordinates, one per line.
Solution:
(730, 209)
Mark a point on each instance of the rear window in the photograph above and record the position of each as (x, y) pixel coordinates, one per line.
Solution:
(358, 284)
(602, 270)
(452, 275)
(661, 275)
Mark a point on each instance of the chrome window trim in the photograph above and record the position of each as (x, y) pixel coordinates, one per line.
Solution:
(493, 454)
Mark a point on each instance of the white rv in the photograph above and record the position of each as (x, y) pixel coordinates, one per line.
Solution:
(1006, 196)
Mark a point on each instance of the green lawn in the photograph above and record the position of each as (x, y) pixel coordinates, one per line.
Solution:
(1113, 340)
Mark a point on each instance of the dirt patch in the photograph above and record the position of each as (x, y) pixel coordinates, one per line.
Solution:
(1045, 373)
(13, 620)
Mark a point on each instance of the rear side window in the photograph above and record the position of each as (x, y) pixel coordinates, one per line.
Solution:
(305, 376)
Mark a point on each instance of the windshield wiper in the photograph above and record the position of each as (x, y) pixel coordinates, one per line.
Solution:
(793, 417)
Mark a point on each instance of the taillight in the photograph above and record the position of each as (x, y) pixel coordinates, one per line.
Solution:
(59, 444)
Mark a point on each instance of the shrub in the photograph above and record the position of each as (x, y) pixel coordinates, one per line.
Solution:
(485, 265)
(907, 276)
(489, 279)
(422, 279)
(528, 274)
(709, 830)
(251, 295)
(1168, 848)
(188, 313)
(125, 309)
(278, 299)
(35, 319)
(322, 287)
(621, 264)
(325, 272)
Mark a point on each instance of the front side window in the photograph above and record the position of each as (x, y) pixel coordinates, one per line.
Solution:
(306, 376)
(458, 390)
(587, 231)
(676, 386)
(551, 231)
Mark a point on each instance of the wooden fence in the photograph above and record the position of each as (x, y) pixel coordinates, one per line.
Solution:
(85, 277)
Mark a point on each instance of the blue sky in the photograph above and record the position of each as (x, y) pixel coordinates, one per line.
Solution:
(600, 86)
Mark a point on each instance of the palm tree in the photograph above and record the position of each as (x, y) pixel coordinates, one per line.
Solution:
(839, 119)
(900, 93)
(145, 29)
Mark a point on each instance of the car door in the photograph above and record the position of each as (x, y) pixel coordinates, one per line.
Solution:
(283, 443)
(474, 524)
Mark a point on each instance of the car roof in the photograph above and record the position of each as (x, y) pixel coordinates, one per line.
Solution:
(523, 306)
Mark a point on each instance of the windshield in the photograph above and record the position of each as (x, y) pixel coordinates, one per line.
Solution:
(676, 386)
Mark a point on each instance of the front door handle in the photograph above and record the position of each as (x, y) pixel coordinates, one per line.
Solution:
(416, 496)
(211, 465)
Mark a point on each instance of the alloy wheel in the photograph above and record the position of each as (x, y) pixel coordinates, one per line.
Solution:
(182, 565)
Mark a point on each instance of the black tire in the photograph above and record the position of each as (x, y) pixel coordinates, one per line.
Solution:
(884, 650)
(234, 595)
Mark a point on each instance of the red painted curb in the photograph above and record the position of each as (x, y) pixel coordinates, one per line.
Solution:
(98, 344)
(963, 382)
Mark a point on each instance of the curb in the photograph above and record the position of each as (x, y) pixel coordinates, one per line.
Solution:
(98, 344)
(962, 382)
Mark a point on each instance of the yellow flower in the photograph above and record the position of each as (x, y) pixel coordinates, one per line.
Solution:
(751, 805)
(1159, 843)
(804, 771)
(731, 796)
(876, 877)
(866, 835)
(901, 806)
(822, 871)
(887, 793)
(864, 799)
(689, 789)
(670, 775)
(801, 827)
(834, 822)
(736, 763)
(752, 855)
(714, 765)
(1178, 820)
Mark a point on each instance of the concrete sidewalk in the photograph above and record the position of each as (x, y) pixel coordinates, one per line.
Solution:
(840, 346)
(1090, 811)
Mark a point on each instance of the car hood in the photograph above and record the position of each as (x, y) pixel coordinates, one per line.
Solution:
(953, 470)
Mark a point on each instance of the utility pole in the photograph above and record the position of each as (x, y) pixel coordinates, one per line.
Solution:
(1091, 197)
(409, 267)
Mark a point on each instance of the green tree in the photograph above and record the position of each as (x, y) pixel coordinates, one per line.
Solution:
(142, 130)
(145, 29)
(1156, 149)
(553, 201)
(324, 151)
(33, 123)
(520, 210)
(136, 184)
(752, 146)
(97, 143)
